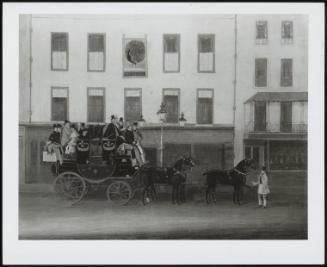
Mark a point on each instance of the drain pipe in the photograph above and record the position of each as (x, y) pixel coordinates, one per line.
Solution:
(234, 83)
(30, 69)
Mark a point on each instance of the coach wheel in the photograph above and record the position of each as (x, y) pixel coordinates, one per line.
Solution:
(69, 186)
(119, 193)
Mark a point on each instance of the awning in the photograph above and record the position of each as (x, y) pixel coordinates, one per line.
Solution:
(279, 96)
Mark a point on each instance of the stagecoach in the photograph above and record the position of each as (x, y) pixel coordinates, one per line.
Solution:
(114, 175)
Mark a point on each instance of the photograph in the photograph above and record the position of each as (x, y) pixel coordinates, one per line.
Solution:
(164, 126)
(196, 114)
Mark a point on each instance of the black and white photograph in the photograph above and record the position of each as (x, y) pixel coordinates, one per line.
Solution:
(190, 123)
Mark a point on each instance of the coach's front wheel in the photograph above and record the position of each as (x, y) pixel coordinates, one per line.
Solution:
(119, 193)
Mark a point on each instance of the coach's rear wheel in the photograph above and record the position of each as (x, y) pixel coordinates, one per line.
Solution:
(119, 193)
(69, 186)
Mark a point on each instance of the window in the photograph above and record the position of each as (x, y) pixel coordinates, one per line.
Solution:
(96, 52)
(59, 103)
(171, 57)
(95, 105)
(286, 116)
(261, 32)
(205, 106)
(171, 100)
(59, 51)
(286, 78)
(260, 116)
(287, 32)
(133, 104)
(260, 72)
(206, 53)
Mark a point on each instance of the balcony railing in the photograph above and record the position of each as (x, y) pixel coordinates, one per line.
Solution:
(269, 127)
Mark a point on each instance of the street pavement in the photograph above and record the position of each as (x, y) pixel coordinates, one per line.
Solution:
(44, 217)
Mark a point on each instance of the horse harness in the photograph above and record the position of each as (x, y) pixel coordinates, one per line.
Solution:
(237, 171)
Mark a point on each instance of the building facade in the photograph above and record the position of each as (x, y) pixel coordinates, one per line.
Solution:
(239, 80)
(272, 86)
(85, 68)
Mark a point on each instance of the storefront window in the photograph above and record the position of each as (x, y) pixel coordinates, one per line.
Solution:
(290, 155)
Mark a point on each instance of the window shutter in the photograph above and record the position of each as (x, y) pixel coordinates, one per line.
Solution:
(205, 107)
(96, 53)
(171, 102)
(206, 53)
(171, 52)
(261, 72)
(59, 53)
(95, 105)
(206, 44)
(59, 104)
(262, 30)
(286, 72)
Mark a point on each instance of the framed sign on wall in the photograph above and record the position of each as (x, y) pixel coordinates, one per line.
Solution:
(134, 57)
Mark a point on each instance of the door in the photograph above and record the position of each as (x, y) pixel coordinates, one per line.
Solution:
(260, 116)
(286, 116)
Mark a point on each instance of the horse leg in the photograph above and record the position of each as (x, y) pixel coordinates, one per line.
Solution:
(234, 194)
(153, 190)
(173, 193)
(208, 194)
(238, 194)
(178, 193)
(214, 195)
(183, 192)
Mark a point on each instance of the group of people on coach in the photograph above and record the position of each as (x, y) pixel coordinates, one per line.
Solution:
(126, 136)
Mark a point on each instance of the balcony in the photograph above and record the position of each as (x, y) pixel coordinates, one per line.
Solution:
(276, 130)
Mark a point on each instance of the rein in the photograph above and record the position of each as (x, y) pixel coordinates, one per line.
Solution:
(239, 172)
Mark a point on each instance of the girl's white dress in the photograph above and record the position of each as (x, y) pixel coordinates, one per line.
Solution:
(263, 187)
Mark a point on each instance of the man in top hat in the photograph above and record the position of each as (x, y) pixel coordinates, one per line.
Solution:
(111, 130)
(53, 144)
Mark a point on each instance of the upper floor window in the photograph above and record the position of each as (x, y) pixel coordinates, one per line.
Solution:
(59, 103)
(260, 116)
(261, 32)
(204, 106)
(206, 53)
(171, 57)
(287, 32)
(59, 51)
(133, 104)
(261, 72)
(95, 105)
(171, 101)
(286, 78)
(96, 52)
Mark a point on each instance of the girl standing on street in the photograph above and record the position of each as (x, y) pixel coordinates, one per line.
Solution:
(263, 189)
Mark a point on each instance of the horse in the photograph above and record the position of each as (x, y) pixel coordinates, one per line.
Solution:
(174, 176)
(235, 177)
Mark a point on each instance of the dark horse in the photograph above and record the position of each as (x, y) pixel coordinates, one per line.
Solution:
(235, 177)
(174, 176)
